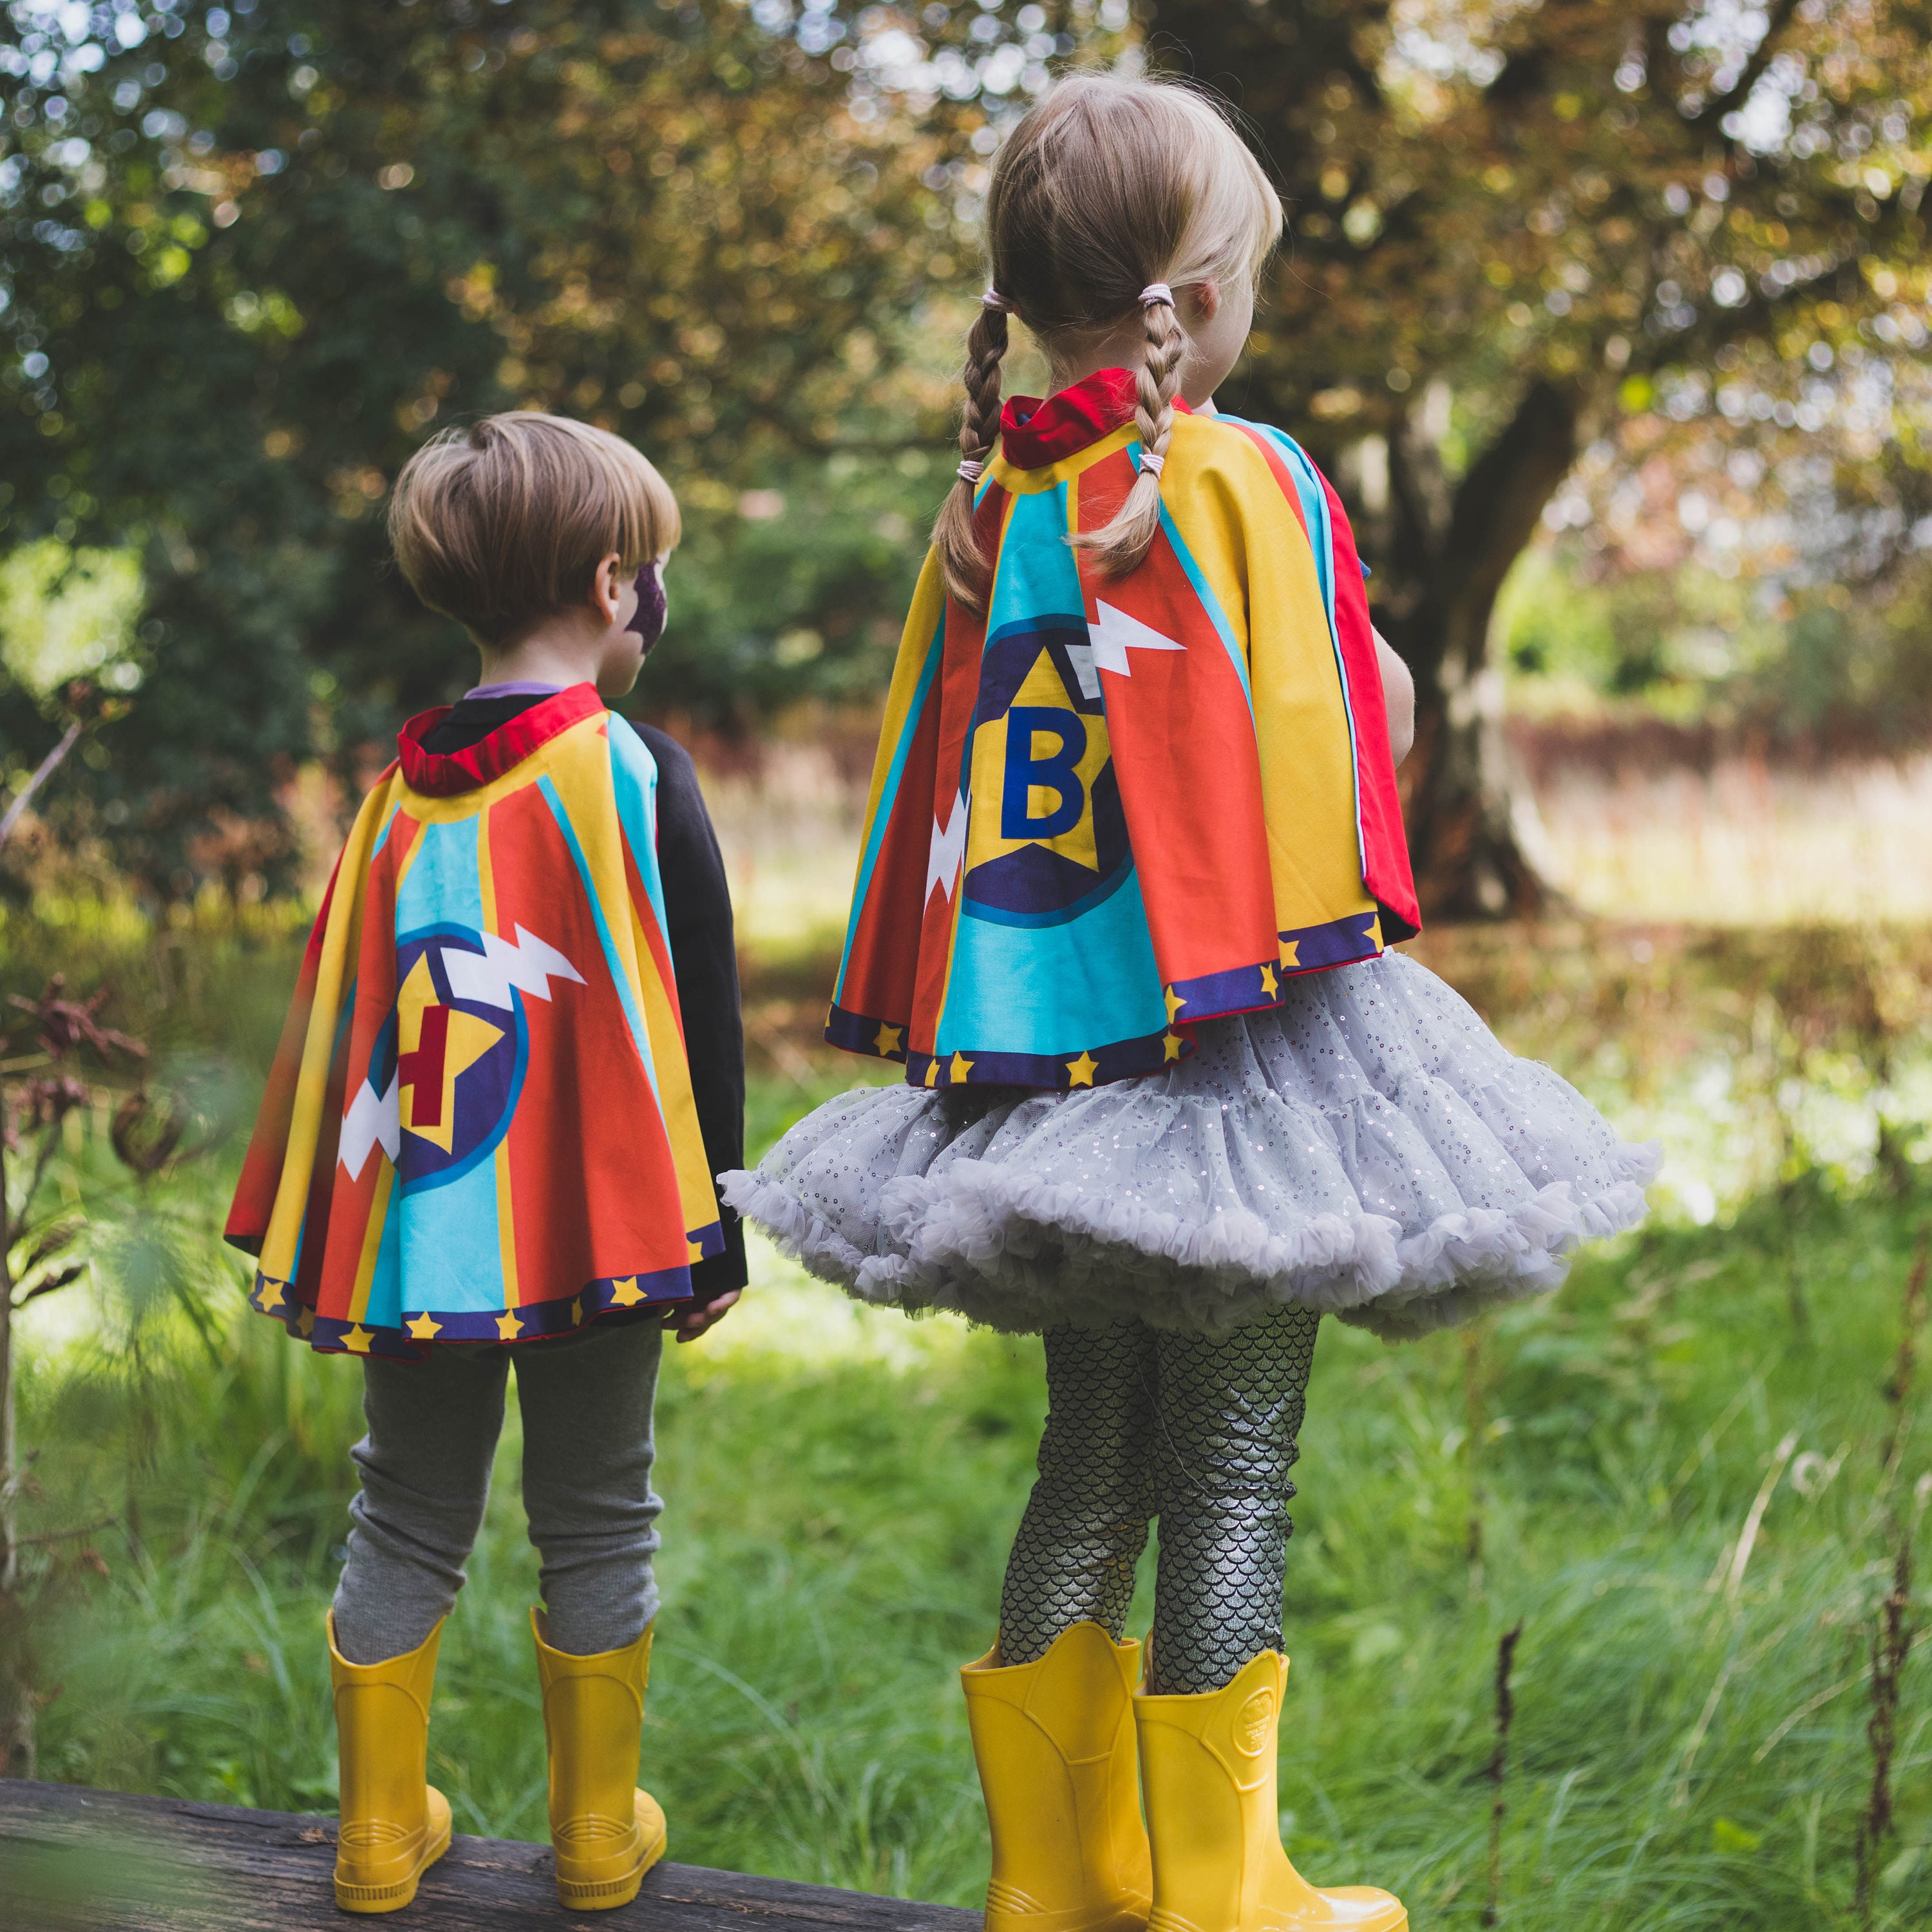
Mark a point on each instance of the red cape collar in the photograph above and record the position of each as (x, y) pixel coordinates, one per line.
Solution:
(1033, 434)
(441, 774)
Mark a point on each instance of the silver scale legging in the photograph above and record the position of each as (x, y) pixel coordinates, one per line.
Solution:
(1197, 1429)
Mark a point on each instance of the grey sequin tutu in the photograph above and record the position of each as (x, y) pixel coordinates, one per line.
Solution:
(1368, 1147)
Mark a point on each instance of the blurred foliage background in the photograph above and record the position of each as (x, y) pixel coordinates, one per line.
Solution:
(1637, 293)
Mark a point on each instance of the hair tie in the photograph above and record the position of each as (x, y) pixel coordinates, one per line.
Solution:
(1156, 292)
(997, 303)
(970, 469)
(1151, 461)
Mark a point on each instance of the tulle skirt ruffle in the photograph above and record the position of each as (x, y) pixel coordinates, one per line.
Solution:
(1368, 1147)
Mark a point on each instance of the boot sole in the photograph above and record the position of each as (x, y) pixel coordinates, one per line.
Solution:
(604, 1894)
(397, 1893)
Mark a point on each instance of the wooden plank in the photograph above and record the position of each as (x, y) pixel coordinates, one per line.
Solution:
(73, 1860)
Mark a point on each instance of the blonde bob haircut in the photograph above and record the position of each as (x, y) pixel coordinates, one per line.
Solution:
(503, 524)
(1109, 188)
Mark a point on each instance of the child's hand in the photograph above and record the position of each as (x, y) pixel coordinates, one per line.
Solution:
(1398, 696)
(688, 1323)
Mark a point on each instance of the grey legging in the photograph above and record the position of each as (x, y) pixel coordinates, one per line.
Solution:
(425, 1466)
(1197, 1429)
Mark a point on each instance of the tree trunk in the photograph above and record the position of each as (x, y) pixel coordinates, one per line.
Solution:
(1451, 548)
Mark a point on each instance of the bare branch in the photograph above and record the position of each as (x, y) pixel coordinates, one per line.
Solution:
(43, 772)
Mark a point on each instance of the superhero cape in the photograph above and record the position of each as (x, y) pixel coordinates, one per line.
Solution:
(479, 1125)
(1111, 808)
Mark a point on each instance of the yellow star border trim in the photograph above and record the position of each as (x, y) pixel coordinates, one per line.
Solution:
(509, 1325)
(1270, 985)
(356, 1340)
(1171, 1045)
(1290, 951)
(960, 1068)
(425, 1327)
(887, 1038)
(1174, 1003)
(1081, 1072)
(626, 1294)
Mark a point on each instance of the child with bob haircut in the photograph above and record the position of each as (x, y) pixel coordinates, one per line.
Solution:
(1133, 859)
(512, 1066)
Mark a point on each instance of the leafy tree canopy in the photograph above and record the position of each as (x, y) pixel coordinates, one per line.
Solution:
(1511, 226)
(254, 256)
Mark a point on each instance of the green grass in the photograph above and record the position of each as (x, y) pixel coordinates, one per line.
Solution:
(841, 1487)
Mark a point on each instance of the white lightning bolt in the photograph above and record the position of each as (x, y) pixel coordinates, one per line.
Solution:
(486, 978)
(949, 848)
(1081, 657)
(373, 1118)
(1114, 633)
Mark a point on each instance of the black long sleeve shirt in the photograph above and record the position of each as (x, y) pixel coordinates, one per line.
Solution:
(703, 952)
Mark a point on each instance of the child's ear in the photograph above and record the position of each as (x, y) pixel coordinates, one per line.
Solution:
(607, 588)
(1207, 299)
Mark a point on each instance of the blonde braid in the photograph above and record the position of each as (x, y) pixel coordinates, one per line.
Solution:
(1123, 545)
(967, 577)
(1158, 380)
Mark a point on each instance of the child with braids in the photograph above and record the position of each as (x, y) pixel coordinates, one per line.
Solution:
(1133, 859)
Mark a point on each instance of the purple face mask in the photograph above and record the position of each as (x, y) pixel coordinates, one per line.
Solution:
(653, 606)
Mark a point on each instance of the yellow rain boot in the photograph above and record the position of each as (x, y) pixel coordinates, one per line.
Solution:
(607, 1833)
(1209, 1766)
(1055, 1743)
(395, 1824)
